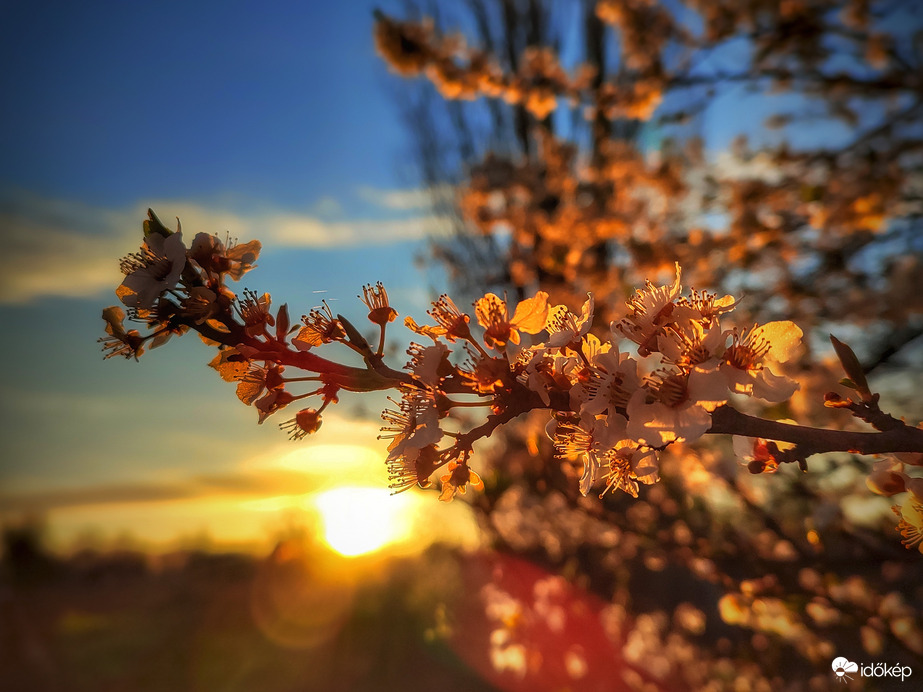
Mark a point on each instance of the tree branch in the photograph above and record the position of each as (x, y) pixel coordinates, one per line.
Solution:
(729, 421)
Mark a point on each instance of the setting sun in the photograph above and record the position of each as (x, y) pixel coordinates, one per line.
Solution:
(361, 520)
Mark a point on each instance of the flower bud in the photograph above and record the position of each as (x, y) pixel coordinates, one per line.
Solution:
(886, 478)
(306, 422)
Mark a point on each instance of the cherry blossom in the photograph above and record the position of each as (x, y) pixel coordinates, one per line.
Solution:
(747, 359)
(154, 270)
(493, 315)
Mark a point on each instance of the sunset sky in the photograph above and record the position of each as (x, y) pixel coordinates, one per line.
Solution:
(279, 125)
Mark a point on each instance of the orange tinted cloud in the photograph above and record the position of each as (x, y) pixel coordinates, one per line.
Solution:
(56, 247)
(256, 483)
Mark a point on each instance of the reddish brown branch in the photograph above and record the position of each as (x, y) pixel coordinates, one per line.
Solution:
(729, 421)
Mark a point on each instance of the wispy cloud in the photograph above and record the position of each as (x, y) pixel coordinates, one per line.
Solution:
(278, 472)
(300, 231)
(327, 207)
(405, 200)
(261, 483)
(55, 247)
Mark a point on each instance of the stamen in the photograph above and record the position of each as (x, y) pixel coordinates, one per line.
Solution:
(672, 390)
(450, 318)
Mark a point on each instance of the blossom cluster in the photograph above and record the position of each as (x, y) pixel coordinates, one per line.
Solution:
(652, 380)
(616, 396)
(461, 72)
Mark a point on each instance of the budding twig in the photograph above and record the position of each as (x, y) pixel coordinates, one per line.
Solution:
(613, 408)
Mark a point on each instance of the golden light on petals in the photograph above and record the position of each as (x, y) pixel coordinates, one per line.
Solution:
(493, 315)
(911, 522)
(531, 314)
(783, 338)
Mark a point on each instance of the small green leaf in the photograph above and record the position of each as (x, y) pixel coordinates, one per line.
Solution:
(153, 225)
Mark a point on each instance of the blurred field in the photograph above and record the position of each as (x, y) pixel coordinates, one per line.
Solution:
(107, 622)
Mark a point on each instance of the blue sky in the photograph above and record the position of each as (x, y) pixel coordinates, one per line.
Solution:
(209, 100)
(274, 122)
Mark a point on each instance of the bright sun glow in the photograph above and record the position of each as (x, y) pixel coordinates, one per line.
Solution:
(361, 520)
(330, 490)
(354, 461)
